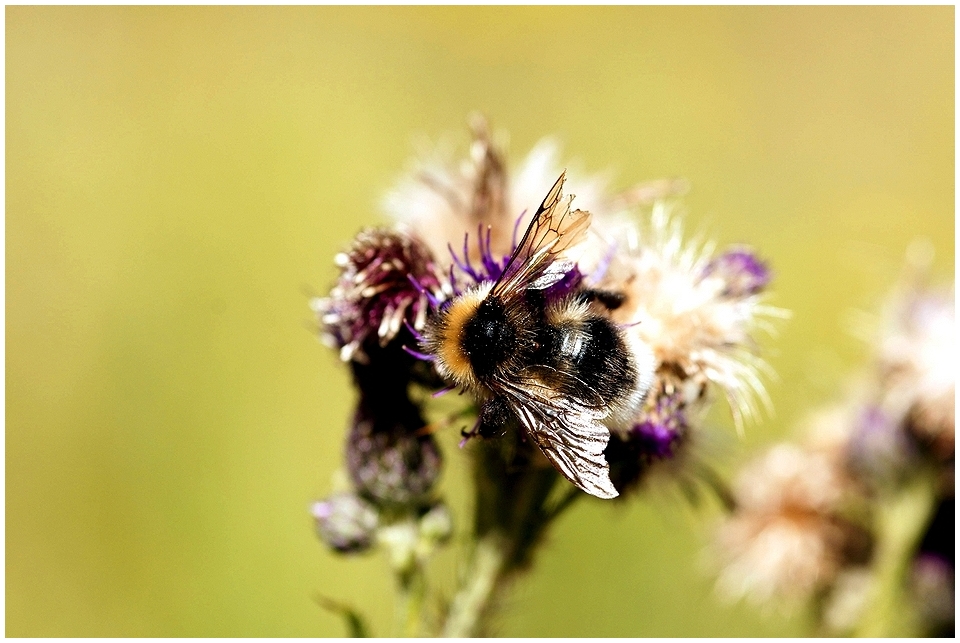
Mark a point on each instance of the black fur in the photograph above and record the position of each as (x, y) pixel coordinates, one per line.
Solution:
(489, 338)
(586, 360)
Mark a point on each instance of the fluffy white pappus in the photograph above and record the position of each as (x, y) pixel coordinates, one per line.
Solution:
(687, 314)
(446, 195)
(786, 539)
(791, 477)
(775, 560)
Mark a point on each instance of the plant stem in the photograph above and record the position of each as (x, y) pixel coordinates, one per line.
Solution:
(410, 595)
(512, 514)
(471, 601)
(901, 523)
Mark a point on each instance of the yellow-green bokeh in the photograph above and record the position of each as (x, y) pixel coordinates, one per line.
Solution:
(179, 179)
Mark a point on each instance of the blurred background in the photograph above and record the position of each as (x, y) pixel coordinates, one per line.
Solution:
(178, 181)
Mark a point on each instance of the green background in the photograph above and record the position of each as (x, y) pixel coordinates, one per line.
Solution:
(179, 179)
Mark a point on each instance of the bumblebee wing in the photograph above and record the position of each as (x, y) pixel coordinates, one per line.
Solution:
(554, 229)
(569, 435)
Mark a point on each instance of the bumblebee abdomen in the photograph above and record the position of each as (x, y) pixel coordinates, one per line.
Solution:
(605, 364)
(586, 357)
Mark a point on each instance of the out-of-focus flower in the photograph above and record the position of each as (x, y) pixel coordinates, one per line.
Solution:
(879, 450)
(915, 374)
(932, 586)
(345, 522)
(804, 524)
(437, 524)
(788, 537)
(918, 344)
(847, 599)
(386, 277)
(917, 359)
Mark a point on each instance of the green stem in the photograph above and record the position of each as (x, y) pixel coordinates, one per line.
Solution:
(511, 516)
(900, 525)
(470, 603)
(411, 592)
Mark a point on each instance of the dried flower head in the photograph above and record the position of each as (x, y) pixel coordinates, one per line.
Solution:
(387, 277)
(697, 312)
(793, 534)
(443, 197)
(788, 537)
(917, 360)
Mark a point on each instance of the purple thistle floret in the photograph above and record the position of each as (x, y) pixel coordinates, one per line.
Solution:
(658, 436)
(743, 273)
(570, 282)
(491, 268)
(661, 428)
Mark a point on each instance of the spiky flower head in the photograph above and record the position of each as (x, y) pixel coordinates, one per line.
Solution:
(387, 277)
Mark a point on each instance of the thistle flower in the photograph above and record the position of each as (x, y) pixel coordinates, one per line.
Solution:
(657, 434)
(387, 277)
(742, 273)
(788, 537)
(871, 455)
(917, 360)
(697, 312)
(682, 312)
(442, 197)
(879, 450)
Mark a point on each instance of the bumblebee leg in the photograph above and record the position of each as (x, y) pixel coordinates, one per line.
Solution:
(472, 433)
(495, 417)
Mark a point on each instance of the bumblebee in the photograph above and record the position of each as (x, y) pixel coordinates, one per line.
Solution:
(561, 368)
